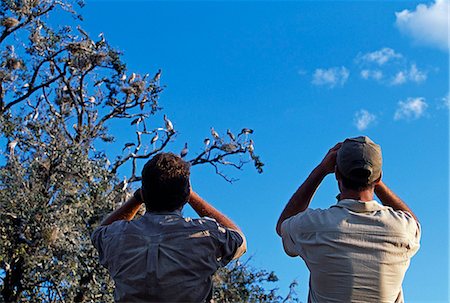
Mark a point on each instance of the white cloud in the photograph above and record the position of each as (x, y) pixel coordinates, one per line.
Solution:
(427, 25)
(416, 75)
(331, 77)
(412, 75)
(363, 119)
(372, 74)
(445, 101)
(412, 108)
(399, 78)
(380, 57)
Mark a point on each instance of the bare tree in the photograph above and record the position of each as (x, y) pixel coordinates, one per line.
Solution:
(60, 89)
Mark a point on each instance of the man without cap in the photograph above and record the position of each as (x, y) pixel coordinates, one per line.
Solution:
(162, 256)
(357, 250)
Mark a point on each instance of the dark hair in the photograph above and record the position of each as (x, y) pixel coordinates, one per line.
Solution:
(165, 182)
(354, 184)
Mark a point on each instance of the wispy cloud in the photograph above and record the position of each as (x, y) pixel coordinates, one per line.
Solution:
(445, 101)
(380, 57)
(331, 77)
(412, 75)
(375, 74)
(363, 119)
(412, 108)
(388, 67)
(427, 25)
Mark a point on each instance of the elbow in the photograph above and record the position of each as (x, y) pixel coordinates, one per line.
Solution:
(242, 249)
(278, 227)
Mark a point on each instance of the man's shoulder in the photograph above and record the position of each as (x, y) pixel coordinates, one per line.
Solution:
(312, 219)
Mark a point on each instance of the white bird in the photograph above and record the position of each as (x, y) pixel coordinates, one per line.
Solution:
(125, 184)
(83, 32)
(169, 125)
(246, 132)
(251, 148)
(231, 135)
(133, 76)
(214, 134)
(153, 140)
(206, 141)
(102, 37)
(184, 151)
(36, 114)
(124, 77)
(91, 99)
(157, 75)
(12, 145)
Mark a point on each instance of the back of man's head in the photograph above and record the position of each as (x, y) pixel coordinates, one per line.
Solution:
(359, 163)
(165, 182)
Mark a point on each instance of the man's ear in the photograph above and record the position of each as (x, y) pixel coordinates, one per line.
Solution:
(379, 179)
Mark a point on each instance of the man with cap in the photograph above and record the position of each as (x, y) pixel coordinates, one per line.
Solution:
(357, 250)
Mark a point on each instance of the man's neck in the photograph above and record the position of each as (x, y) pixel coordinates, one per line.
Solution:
(364, 196)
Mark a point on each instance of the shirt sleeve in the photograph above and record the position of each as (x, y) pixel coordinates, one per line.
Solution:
(231, 243)
(288, 241)
(298, 231)
(97, 240)
(414, 232)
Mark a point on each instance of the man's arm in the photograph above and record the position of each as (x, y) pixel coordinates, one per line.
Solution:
(127, 211)
(304, 194)
(204, 209)
(389, 198)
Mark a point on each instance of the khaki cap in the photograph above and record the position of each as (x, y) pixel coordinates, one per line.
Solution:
(359, 159)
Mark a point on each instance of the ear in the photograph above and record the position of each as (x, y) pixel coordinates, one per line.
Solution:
(377, 181)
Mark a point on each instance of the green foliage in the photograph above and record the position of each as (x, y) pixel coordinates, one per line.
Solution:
(239, 282)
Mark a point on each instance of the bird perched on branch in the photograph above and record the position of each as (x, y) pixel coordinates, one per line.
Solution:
(251, 148)
(157, 76)
(132, 78)
(215, 134)
(206, 141)
(9, 22)
(231, 135)
(86, 36)
(153, 140)
(102, 37)
(125, 184)
(12, 145)
(184, 151)
(128, 145)
(169, 125)
(246, 132)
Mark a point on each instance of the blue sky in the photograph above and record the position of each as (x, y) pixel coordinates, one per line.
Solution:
(304, 75)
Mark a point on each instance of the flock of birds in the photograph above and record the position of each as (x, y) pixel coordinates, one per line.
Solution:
(217, 138)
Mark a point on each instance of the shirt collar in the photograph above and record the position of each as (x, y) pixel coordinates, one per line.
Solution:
(360, 206)
(176, 212)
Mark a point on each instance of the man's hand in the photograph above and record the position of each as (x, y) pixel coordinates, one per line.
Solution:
(328, 164)
(127, 211)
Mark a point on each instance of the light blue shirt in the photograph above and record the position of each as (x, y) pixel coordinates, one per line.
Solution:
(163, 257)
